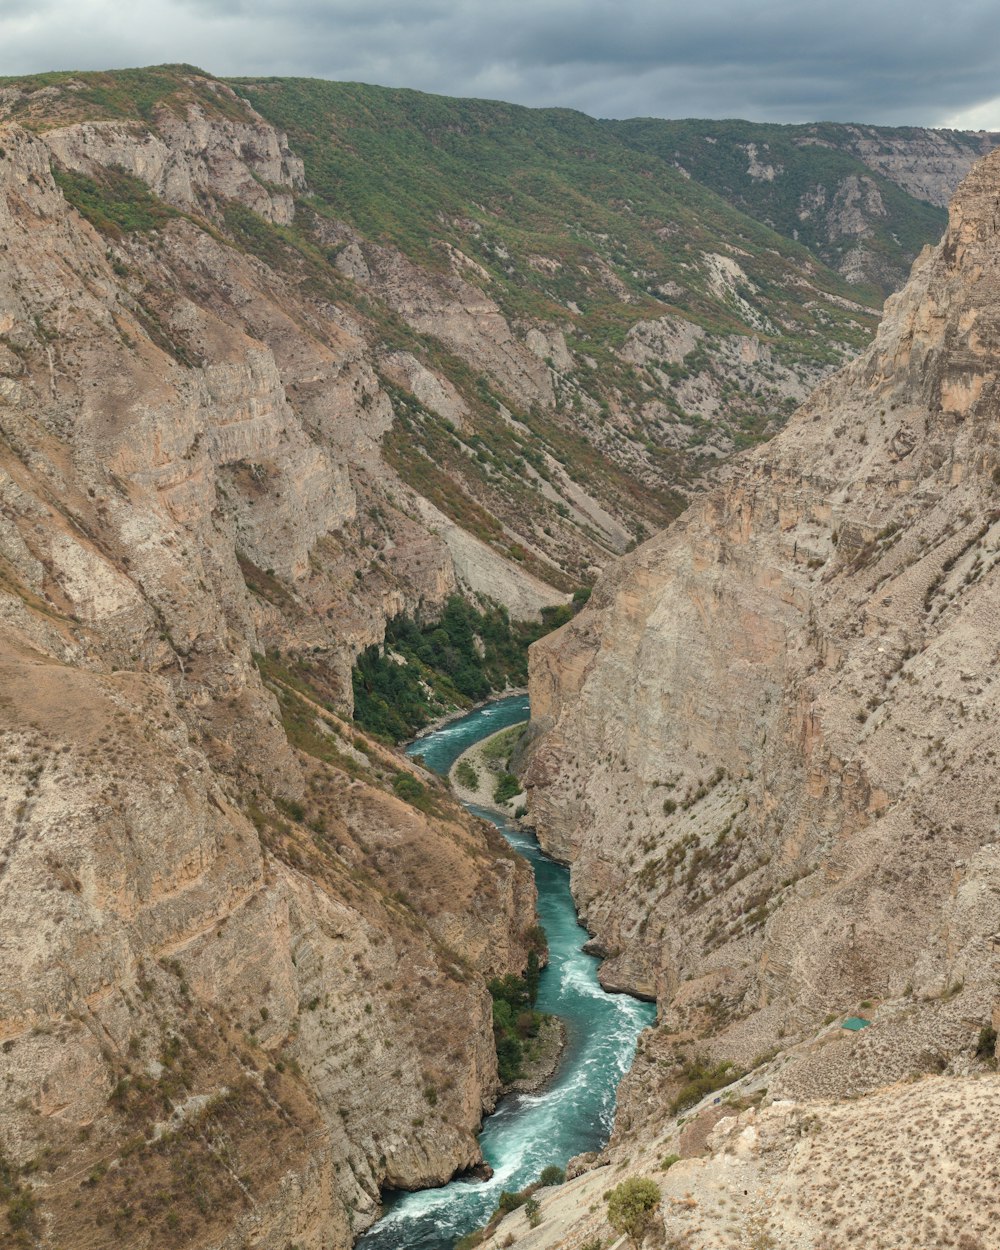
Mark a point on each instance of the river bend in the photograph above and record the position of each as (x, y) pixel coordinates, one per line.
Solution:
(574, 1112)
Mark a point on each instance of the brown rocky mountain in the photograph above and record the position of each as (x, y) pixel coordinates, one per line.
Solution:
(768, 750)
(244, 946)
(513, 341)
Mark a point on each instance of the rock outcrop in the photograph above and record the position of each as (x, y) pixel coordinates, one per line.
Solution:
(244, 948)
(929, 164)
(767, 746)
(903, 1167)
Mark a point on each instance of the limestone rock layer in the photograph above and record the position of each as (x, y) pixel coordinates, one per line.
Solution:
(243, 948)
(768, 746)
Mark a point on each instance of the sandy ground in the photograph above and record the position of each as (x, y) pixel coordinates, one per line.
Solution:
(487, 772)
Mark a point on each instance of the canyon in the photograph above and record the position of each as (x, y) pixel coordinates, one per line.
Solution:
(767, 749)
(249, 415)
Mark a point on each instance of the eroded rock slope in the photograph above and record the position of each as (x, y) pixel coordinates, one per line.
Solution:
(768, 746)
(244, 948)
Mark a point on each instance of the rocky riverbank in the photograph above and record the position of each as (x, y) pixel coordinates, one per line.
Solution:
(474, 777)
(477, 772)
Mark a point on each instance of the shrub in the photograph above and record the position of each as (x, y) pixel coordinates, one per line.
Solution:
(466, 775)
(510, 1056)
(291, 807)
(506, 787)
(470, 1240)
(987, 1044)
(407, 787)
(552, 1175)
(533, 1211)
(512, 1019)
(631, 1205)
(701, 1080)
(510, 1200)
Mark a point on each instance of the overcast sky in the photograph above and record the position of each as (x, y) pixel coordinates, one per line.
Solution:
(897, 62)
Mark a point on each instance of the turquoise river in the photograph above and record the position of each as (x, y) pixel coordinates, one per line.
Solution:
(575, 1110)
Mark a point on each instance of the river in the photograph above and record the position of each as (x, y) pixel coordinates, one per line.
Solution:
(575, 1111)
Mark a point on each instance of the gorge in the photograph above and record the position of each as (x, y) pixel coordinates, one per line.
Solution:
(573, 1113)
(285, 364)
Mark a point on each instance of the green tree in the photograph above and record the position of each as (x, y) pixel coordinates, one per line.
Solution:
(531, 976)
(631, 1205)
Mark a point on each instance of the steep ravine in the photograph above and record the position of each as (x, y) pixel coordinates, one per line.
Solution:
(768, 748)
(572, 1114)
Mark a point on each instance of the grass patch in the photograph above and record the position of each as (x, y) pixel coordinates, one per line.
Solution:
(114, 202)
(466, 775)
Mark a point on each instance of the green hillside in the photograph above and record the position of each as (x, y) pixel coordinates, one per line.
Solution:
(508, 184)
(798, 174)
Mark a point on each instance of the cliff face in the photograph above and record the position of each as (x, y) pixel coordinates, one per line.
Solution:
(244, 949)
(929, 164)
(767, 746)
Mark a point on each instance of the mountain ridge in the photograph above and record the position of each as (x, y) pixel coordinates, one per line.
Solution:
(766, 748)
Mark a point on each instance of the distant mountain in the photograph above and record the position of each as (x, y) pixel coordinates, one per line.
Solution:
(861, 198)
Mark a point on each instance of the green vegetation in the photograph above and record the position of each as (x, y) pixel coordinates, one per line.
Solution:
(113, 201)
(514, 1021)
(496, 755)
(811, 162)
(631, 1205)
(470, 1240)
(496, 752)
(120, 93)
(464, 657)
(18, 1200)
(301, 687)
(987, 1044)
(507, 786)
(506, 184)
(511, 1200)
(701, 1078)
(466, 775)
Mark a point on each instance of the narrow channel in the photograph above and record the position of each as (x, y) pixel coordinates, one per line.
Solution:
(527, 1132)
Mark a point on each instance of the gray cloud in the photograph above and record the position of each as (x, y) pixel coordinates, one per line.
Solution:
(783, 60)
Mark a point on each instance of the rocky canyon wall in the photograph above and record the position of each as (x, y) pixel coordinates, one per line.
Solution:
(767, 746)
(768, 751)
(244, 948)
